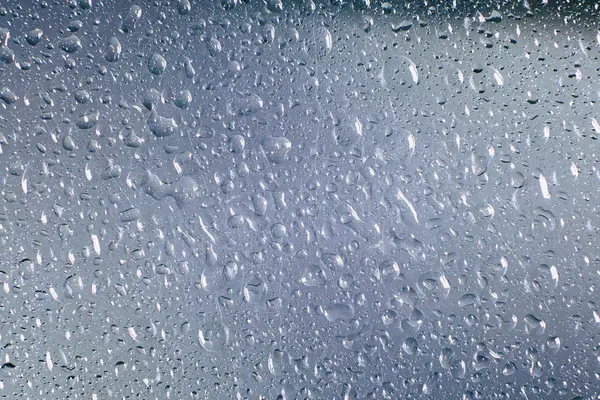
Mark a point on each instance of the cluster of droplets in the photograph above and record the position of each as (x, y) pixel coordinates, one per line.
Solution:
(340, 199)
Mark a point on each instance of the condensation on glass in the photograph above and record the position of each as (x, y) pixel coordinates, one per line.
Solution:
(345, 199)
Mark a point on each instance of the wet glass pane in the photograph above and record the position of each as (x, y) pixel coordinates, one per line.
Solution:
(277, 199)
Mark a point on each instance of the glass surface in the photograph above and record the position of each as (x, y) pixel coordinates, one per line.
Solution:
(345, 199)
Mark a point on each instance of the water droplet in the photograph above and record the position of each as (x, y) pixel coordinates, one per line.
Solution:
(71, 44)
(214, 336)
(113, 50)
(34, 36)
(338, 311)
(314, 276)
(161, 126)
(157, 64)
(509, 369)
(276, 148)
(410, 345)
